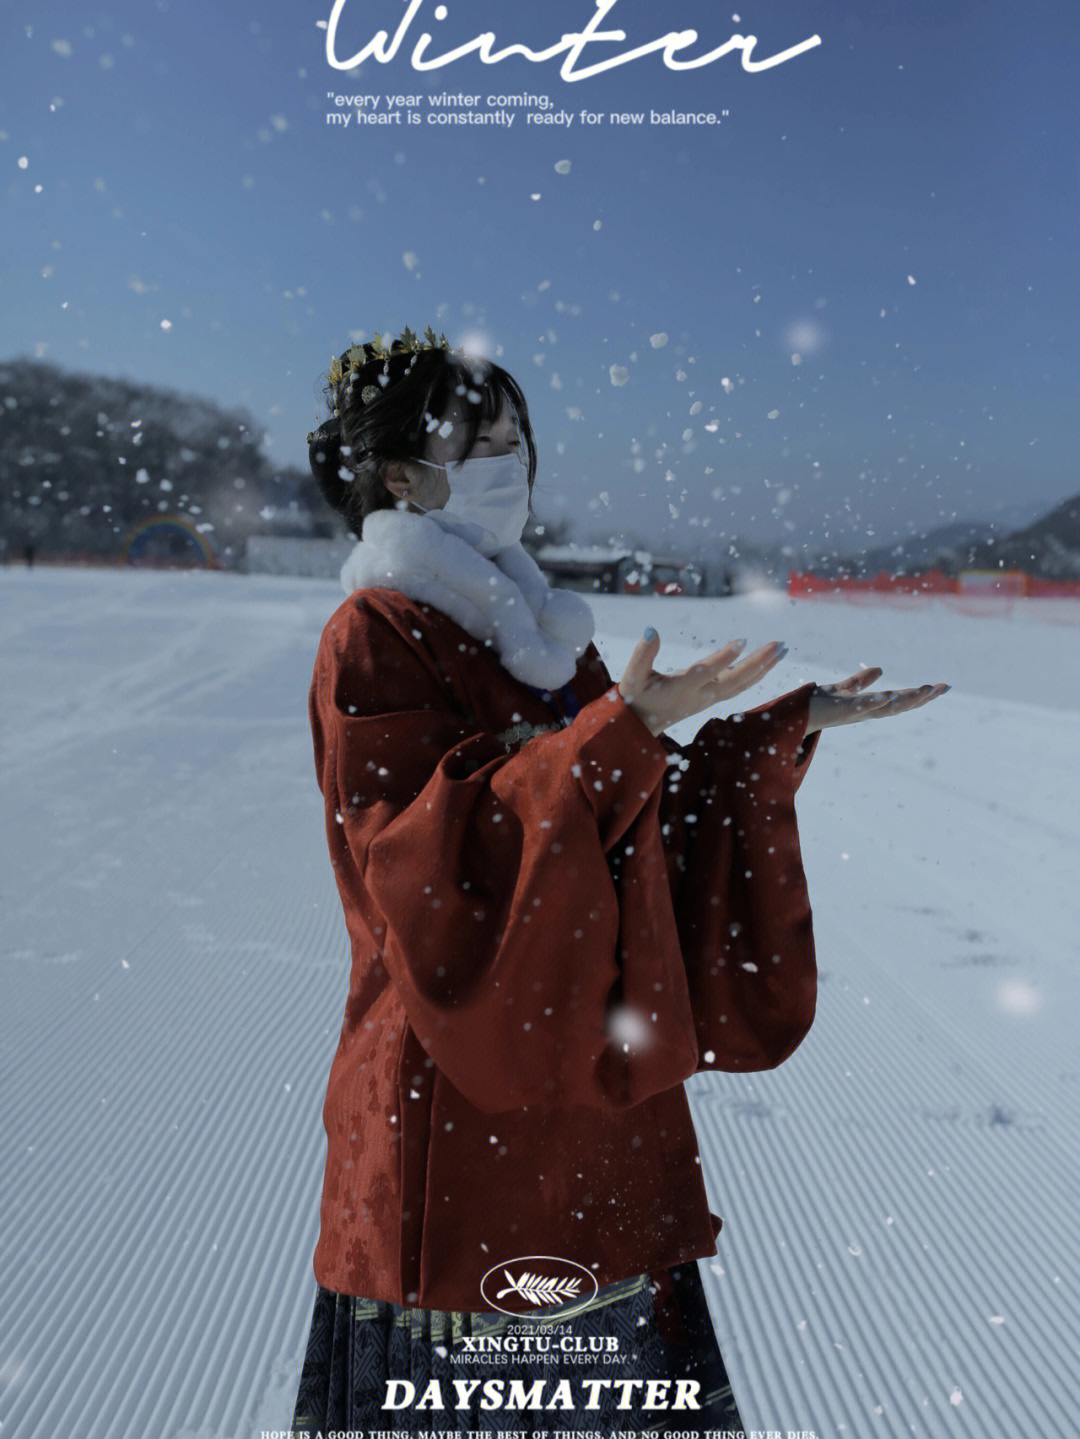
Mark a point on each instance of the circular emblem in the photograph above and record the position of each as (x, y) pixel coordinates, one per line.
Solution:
(544, 1281)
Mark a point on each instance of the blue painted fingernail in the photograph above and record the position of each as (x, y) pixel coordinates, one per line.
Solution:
(650, 633)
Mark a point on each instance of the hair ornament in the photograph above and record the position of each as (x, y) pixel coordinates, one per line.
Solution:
(357, 356)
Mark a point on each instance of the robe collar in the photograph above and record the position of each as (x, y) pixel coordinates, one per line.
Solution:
(538, 631)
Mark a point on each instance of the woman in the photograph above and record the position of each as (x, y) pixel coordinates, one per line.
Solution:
(556, 915)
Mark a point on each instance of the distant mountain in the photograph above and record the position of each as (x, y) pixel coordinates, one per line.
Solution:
(1020, 513)
(945, 548)
(1048, 546)
(93, 465)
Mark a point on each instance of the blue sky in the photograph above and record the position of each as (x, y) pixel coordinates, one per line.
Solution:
(897, 207)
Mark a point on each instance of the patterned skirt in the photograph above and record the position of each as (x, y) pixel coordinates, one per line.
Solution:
(657, 1326)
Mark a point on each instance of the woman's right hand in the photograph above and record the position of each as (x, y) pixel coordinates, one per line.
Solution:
(661, 700)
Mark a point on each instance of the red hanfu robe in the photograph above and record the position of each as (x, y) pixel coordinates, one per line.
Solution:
(549, 935)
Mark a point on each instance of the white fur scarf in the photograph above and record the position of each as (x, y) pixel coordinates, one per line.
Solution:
(538, 631)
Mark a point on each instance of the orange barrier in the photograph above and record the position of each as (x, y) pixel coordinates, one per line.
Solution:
(975, 584)
(1047, 589)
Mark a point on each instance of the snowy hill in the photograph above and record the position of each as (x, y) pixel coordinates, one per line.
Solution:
(899, 1246)
(1048, 545)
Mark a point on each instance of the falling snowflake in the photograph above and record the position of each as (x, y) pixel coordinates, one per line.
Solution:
(628, 1027)
(1018, 996)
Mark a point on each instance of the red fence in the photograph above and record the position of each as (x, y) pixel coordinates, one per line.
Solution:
(1009, 584)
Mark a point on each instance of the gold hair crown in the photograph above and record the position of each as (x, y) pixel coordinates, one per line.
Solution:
(357, 356)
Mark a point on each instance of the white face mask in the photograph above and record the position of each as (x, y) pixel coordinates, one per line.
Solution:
(492, 492)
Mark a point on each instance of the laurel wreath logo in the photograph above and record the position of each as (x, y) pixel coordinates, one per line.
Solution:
(538, 1289)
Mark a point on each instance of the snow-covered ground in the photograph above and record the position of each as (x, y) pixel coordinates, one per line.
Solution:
(899, 1248)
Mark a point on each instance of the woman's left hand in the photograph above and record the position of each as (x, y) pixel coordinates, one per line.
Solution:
(841, 703)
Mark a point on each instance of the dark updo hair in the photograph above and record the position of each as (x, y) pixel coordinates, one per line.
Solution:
(349, 451)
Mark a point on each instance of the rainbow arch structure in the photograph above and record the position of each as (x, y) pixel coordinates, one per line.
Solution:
(158, 526)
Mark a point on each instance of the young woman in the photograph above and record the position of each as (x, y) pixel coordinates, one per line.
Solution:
(556, 915)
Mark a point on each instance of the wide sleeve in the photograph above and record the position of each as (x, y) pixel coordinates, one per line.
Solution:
(738, 887)
(483, 875)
